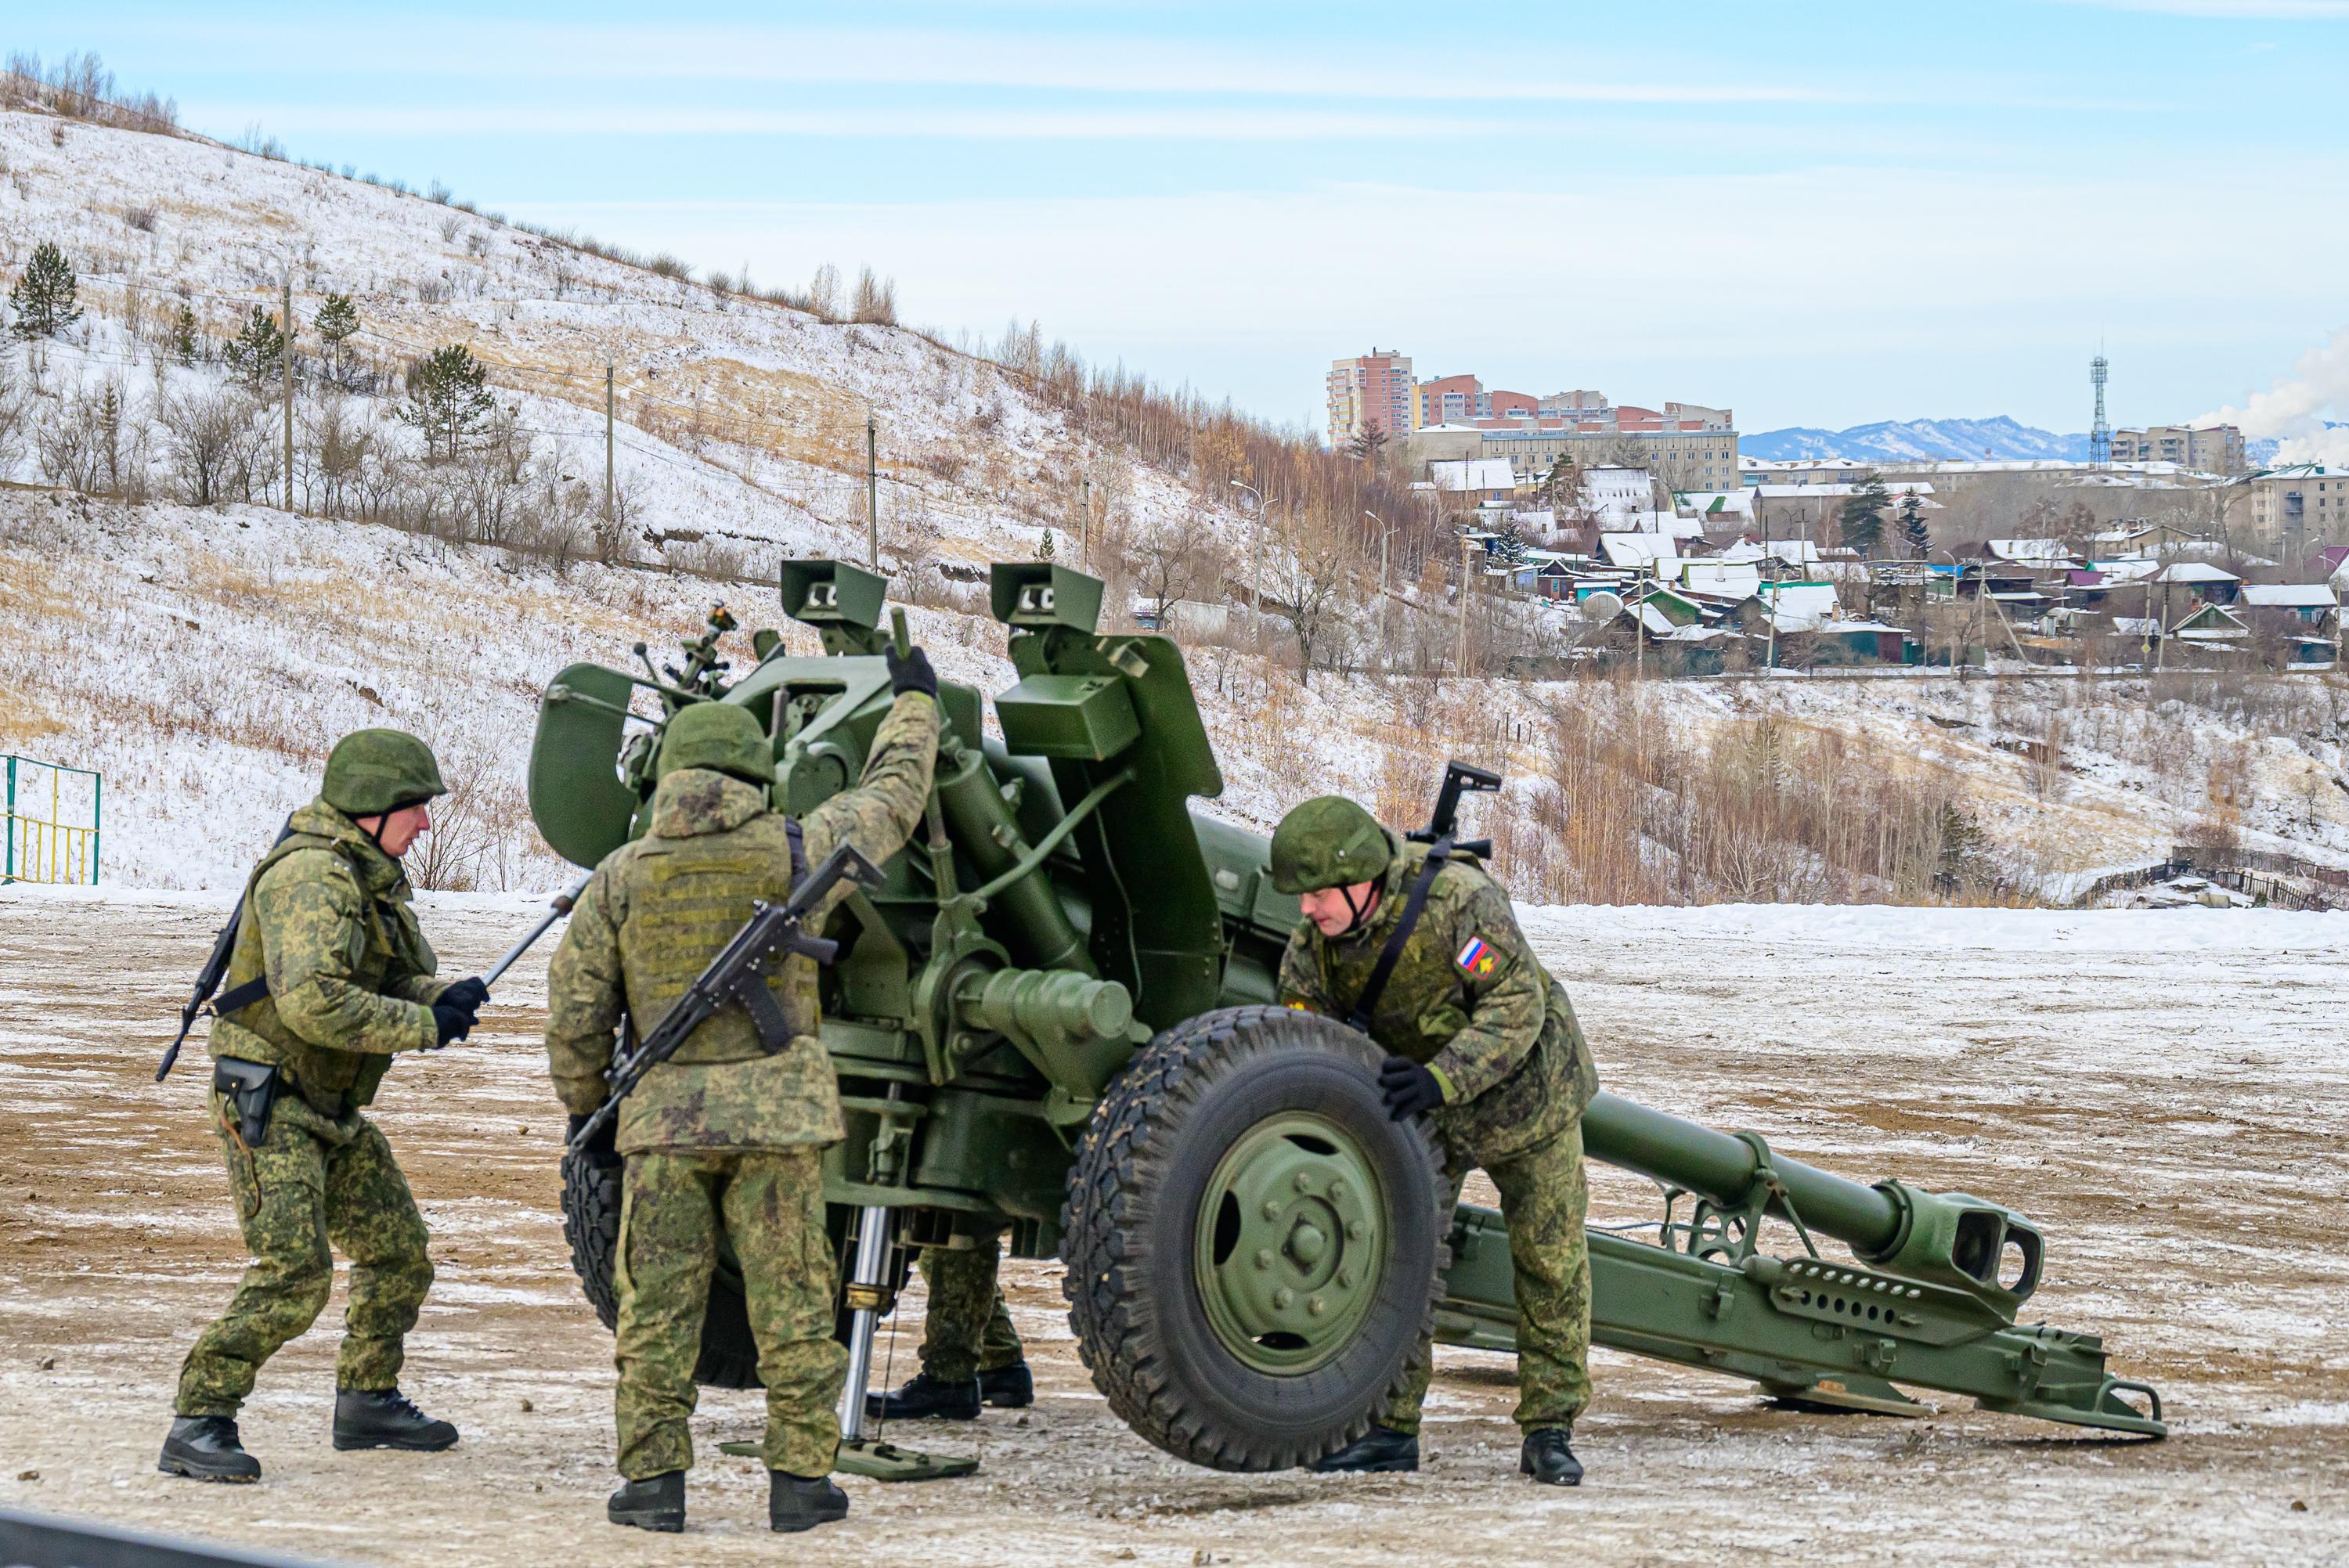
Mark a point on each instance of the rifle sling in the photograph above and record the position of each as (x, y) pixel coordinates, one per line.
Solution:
(1359, 1020)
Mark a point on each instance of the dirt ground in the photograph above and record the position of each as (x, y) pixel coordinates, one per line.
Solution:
(2163, 1091)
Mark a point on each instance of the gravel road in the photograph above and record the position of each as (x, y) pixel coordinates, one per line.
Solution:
(2167, 1093)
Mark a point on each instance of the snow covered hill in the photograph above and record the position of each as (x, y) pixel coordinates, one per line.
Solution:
(739, 419)
(165, 621)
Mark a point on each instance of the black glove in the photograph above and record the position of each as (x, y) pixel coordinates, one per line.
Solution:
(469, 993)
(605, 1150)
(1408, 1087)
(910, 672)
(450, 1023)
(455, 1009)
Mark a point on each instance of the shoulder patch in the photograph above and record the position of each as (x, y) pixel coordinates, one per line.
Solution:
(1476, 958)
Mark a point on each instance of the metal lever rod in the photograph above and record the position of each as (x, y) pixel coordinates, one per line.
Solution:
(864, 1290)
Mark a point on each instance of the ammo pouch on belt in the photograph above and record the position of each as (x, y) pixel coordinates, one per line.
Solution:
(251, 1089)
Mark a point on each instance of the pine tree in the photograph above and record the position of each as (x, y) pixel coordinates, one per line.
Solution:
(336, 321)
(1508, 546)
(183, 335)
(1044, 546)
(1918, 538)
(448, 398)
(258, 352)
(1862, 516)
(43, 300)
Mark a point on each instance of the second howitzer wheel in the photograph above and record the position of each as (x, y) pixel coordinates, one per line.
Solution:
(1253, 1247)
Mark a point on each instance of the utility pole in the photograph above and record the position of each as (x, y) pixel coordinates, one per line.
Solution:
(286, 324)
(1640, 627)
(1460, 657)
(872, 491)
(610, 397)
(1084, 511)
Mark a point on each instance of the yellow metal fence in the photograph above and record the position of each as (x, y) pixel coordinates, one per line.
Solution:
(52, 821)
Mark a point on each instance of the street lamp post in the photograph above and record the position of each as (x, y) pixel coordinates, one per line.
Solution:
(1386, 605)
(1256, 556)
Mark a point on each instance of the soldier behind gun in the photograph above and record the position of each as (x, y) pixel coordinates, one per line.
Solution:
(724, 1139)
(328, 977)
(1483, 1041)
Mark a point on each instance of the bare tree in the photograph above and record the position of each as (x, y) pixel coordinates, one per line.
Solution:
(1173, 562)
(1308, 569)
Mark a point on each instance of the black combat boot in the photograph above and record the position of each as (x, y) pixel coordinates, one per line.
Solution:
(1548, 1459)
(204, 1448)
(656, 1502)
(926, 1397)
(797, 1502)
(1011, 1387)
(383, 1418)
(1380, 1449)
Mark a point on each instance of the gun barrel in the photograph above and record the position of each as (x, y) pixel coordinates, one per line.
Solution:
(1721, 1167)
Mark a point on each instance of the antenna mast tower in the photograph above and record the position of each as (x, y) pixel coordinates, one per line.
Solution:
(2100, 434)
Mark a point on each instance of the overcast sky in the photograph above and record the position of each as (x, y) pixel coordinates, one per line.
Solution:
(1818, 214)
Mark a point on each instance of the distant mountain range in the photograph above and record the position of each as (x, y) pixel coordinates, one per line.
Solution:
(1926, 441)
(1917, 440)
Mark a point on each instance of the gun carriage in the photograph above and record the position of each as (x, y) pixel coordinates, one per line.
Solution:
(1052, 1017)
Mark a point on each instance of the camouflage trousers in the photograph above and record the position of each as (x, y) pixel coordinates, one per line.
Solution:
(1544, 1198)
(966, 1330)
(311, 1184)
(768, 1204)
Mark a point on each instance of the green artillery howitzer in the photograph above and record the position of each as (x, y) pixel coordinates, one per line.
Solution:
(1052, 1018)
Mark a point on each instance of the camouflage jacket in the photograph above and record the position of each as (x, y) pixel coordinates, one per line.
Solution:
(658, 909)
(1467, 999)
(326, 918)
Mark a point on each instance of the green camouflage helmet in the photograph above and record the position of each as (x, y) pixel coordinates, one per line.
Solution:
(372, 771)
(1329, 841)
(720, 737)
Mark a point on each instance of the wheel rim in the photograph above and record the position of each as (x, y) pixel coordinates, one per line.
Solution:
(1290, 1243)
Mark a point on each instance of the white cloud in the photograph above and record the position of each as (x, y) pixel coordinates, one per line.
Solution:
(2294, 405)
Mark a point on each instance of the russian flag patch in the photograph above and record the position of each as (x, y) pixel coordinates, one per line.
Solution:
(1475, 958)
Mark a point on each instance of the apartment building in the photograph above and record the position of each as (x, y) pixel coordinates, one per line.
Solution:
(2212, 449)
(1700, 459)
(1373, 386)
(2298, 507)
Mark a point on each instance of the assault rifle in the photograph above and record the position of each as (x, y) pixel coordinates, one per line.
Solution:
(1444, 822)
(737, 977)
(209, 977)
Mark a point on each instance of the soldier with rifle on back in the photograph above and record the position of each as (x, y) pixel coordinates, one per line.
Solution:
(328, 977)
(723, 1138)
(1414, 945)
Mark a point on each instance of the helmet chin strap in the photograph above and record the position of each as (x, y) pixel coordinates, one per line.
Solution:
(1360, 912)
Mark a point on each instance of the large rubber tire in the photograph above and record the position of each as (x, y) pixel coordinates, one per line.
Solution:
(591, 1224)
(1132, 1246)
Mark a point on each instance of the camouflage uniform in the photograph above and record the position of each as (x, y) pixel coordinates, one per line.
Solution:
(723, 1141)
(1469, 1000)
(968, 1330)
(326, 919)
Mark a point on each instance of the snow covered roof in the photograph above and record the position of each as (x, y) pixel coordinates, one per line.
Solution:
(2047, 551)
(2194, 572)
(1799, 606)
(1837, 628)
(2212, 621)
(1472, 474)
(2126, 570)
(1717, 503)
(1731, 579)
(2291, 595)
(1637, 550)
